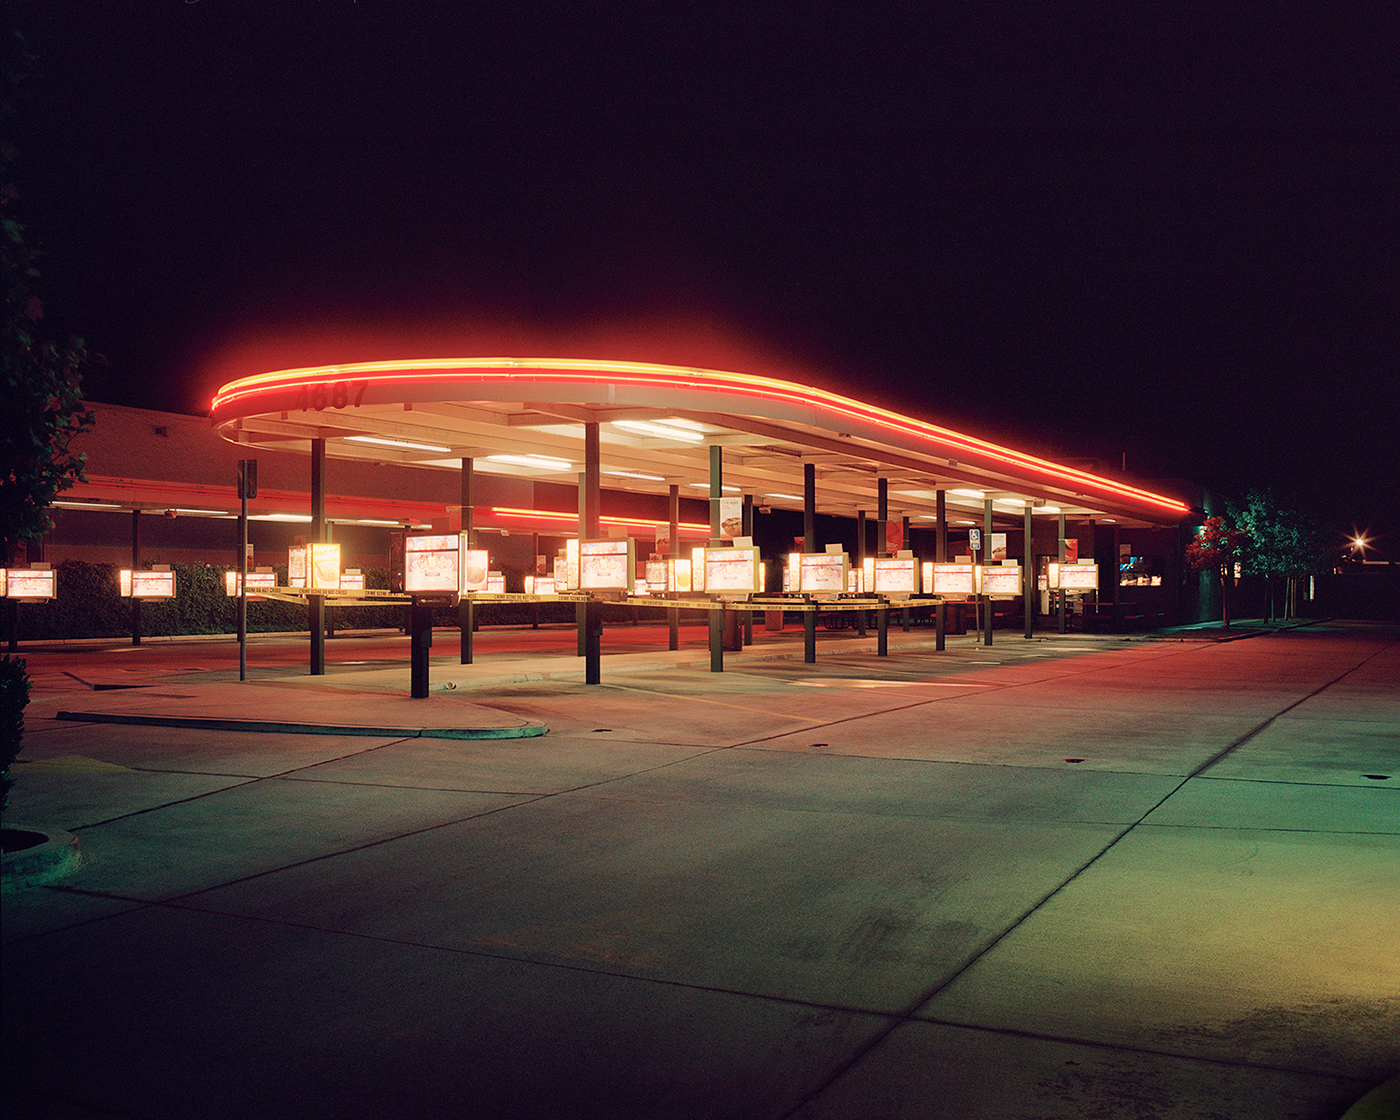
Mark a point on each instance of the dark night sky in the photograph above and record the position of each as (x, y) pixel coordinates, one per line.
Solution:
(1166, 230)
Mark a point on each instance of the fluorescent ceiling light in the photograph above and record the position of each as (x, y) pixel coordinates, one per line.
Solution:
(89, 505)
(706, 486)
(635, 474)
(298, 517)
(788, 497)
(968, 493)
(666, 431)
(542, 462)
(398, 443)
(1018, 503)
(1047, 509)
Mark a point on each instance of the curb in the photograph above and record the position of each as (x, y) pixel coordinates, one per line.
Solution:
(528, 731)
(1381, 1103)
(55, 857)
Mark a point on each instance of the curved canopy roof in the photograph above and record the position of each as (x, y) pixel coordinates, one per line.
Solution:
(525, 416)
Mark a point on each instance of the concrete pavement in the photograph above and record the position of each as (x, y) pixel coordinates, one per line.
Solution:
(1070, 877)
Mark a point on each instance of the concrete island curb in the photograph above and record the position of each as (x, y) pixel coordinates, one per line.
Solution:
(1381, 1103)
(526, 731)
(54, 857)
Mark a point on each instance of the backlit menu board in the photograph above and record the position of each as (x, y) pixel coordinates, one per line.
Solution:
(954, 579)
(606, 565)
(29, 583)
(352, 579)
(296, 567)
(325, 566)
(496, 583)
(1074, 577)
(265, 580)
(823, 573)
(475, 575)
(658, 575)
(1001, 579)
(731, 569)
(896, 575)
(153, 585)
(430, 563)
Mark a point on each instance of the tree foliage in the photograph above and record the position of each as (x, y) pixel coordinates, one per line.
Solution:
(1217, 547)
(41, 403)
(1283, 541)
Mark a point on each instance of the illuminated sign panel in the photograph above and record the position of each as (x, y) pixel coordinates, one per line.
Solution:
(732, 569)
(606, 565)
(153, 585)
(1074, 577)
(954, 579)
(475, 575)
(1001, 579)
(325, 566)
(430, 563)
(823, 573)
(296, 567)
(896, 576)
(266, 581)
(30, 583)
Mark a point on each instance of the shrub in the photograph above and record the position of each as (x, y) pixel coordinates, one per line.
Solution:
(14, 695)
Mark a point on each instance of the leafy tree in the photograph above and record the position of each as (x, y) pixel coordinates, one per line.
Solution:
(1283, 541)
(1217, 547)
(41, 403)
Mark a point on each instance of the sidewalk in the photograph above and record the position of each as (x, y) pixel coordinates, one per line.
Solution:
(1069, 877)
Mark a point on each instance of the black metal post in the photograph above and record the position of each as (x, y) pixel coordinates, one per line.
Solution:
(674, 615)
(940, 556)
(135, 564)
(316, 604)
(986, 561)
(420, 629)
(243, 585)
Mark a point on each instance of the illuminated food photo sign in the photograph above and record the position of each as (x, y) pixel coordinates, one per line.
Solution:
(475, 575)
(325, 566)
(430, 563)
(606, 565)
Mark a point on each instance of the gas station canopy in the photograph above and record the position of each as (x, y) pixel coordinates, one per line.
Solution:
(526, 417)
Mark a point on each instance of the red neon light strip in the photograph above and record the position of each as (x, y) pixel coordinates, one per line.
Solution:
(576, 371)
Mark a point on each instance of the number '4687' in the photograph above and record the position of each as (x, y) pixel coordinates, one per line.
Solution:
(332, 394)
